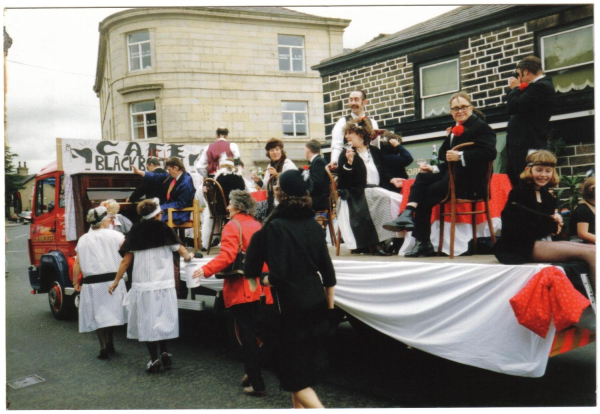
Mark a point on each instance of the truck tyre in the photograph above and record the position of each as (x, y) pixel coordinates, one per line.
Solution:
(61, 305)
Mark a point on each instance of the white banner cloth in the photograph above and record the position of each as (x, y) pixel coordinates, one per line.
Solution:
(457, 311)
(460, 312)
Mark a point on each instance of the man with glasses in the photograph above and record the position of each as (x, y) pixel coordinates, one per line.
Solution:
(357, 101)
(531, 101)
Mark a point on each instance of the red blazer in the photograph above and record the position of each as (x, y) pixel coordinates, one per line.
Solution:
(236, 290)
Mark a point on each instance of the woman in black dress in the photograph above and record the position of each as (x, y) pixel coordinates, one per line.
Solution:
(292, 244)
(582, 226)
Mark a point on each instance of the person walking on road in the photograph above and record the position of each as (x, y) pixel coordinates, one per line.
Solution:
(98, 259)
(152, 301)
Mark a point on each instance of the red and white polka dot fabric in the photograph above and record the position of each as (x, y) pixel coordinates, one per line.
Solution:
(548, 295)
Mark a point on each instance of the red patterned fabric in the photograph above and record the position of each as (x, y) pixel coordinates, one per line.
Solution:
(500, 188)
(549, 295)
(259, 195)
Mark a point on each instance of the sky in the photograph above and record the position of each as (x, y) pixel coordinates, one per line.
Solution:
(51, 72)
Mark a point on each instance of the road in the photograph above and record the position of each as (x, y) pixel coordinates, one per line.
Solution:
(368, 370)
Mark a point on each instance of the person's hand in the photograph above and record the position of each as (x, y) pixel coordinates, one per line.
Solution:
(557, 218)
(452, 155)
(332, 166)
(425, 168)
(513, 82)
(112, 287)
(254, 177)
(350, 156)
(272, 171)
(77, 287)
(394, 142)
(137, 171)
(265, 281)
(127, 200)
(448, 131)
(397, 182)
(198, 273)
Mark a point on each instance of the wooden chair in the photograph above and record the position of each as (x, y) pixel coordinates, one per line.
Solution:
(330, 210)
(194, 223)
(453, 201)
(217, 205)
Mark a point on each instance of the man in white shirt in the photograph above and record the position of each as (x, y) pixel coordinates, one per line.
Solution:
(358, 101)
(221, 149)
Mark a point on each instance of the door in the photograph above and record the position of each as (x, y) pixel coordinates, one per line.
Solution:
(43, 229)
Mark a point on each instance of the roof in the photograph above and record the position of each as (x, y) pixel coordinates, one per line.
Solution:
(24, 179)
(458, 23)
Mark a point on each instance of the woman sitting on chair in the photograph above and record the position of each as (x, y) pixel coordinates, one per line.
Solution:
(431, 184)
(365, 202)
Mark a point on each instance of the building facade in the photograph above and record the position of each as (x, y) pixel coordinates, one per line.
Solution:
(409, 76)
(174, 75)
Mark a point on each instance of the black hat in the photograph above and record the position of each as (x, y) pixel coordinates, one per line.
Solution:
(295, 183)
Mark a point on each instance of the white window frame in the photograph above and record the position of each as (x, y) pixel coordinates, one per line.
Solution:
(422, 97)
(145, 113)
(291, 60)
(139, 45)
(294, 120)
(559, 33)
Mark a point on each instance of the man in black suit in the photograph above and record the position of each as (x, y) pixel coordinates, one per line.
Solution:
(531, 101)
(318, 176)
(148, 189)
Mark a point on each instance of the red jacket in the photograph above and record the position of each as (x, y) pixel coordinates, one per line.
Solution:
(236, 290)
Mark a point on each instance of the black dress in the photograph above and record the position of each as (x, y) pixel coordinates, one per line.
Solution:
(582, 214)
(293, 246)
(521, 227)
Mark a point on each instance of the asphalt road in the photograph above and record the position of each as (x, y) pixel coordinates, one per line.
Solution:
(368, 370)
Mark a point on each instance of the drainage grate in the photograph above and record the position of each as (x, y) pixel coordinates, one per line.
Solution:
(25, 382)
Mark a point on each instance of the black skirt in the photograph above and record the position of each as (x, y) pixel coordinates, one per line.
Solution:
(302, 356)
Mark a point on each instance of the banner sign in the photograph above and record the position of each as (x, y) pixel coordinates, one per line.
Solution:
(82, 155)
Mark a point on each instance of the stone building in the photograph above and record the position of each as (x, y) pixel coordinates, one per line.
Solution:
(410, 75)
(174, 75)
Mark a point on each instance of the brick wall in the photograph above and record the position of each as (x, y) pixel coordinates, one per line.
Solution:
(576, 159)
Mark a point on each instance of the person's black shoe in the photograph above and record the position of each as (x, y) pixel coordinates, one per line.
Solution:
(215, 242)
(153, 367)
(103, 354)
(165, 358)
(198, 255)
(404, 221)
(379, 250)
(421, 249)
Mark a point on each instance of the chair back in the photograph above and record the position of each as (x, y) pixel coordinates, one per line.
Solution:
(215, 198)
(333, 194)
(452, 175)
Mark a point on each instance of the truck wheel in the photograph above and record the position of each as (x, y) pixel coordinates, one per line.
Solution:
(61, 305)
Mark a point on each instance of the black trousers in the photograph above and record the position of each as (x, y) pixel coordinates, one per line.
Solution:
(245, 315)
(516, 153)
(427, 190)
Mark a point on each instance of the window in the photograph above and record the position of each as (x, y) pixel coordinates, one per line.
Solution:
(139, 51)
(568, 56)
(291, 53)
(143, 120)
(438, 82)
(45, 194)
(294, 116)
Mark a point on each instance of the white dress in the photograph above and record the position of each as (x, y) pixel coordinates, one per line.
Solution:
(152, 300)
(98, 253)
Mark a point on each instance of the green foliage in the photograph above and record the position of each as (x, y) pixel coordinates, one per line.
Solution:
(556, 145)
(568, 195)
(11, 179)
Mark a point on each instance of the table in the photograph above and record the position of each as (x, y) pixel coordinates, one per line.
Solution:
(500, 188)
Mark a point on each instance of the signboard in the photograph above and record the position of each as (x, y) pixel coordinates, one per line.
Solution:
(82, 155)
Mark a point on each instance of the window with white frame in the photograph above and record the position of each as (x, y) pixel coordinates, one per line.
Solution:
(294, 118)
(438, 82)
(291, 53)
(140, 55)
(568, 56)
(143, 120)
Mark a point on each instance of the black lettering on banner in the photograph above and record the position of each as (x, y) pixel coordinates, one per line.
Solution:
(126, 163)
(141, 164)
(153, 150)
(133, 147)
(102, 151)
(106, 163)
(99, 163)
(192, 158)
(117, 165)
(175, 151)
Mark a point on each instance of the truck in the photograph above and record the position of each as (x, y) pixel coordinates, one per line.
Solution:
(84, 174)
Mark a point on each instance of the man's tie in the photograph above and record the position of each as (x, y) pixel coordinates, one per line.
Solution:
(171, 188)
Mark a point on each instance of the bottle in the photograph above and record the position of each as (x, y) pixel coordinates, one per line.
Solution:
(260, 173)
(434, 156)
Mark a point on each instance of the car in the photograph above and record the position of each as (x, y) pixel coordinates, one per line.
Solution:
(25, 216)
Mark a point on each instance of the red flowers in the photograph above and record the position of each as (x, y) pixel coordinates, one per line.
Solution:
(305, 167)
(523, 86)
(458, 130)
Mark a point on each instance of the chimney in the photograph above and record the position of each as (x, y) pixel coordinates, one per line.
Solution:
(23, 171)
